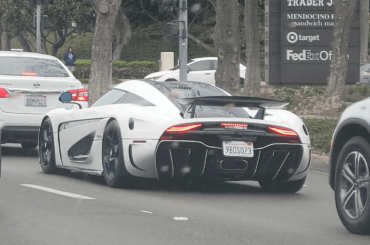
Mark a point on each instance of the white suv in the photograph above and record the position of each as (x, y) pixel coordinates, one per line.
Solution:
(349, 167)
(30, 85)
(199, 70)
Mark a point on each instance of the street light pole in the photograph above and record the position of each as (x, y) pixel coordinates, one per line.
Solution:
(38, 28)
(183, 48)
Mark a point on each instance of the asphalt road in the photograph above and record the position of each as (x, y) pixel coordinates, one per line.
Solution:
(78, 210)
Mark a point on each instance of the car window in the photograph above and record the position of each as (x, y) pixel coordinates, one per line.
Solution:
(28, 66)
(131, 98)
(203, 65)
(111, 97)
(214, 64)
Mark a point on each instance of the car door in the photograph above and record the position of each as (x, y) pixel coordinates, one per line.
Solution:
(202, 71)
(77, 134)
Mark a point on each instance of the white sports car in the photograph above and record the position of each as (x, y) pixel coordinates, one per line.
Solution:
(177, 130)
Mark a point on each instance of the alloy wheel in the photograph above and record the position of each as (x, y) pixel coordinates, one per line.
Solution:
(354, 184)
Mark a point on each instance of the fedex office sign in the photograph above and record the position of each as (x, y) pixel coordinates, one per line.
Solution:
(308, 55)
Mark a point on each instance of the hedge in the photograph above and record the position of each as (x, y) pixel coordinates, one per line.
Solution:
(121, 69)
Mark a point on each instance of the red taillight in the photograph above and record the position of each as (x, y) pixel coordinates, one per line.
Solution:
(79, 94)
(283, 131)
(183, 128)
(4, 93)
(29, 74)
(234, 125)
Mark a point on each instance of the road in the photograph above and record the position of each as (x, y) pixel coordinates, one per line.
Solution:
(78, 210)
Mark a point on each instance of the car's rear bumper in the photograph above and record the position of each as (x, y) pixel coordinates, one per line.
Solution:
(274, 162)
(19, 127)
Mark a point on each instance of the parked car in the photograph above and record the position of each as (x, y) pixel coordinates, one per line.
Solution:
(177, 130)
(365, 73)
(199, 70)
(30, 85)
(349, 167)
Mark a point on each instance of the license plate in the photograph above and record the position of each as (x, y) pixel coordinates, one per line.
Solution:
(238, 149)
(35, 100)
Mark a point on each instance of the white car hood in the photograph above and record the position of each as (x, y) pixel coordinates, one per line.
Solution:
(158, 74)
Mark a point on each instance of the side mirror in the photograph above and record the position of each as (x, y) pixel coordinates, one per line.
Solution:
(65, 97)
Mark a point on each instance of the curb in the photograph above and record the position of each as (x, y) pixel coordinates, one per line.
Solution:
(319, 163)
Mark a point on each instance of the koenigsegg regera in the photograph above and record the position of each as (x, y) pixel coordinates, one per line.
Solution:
(175, 130)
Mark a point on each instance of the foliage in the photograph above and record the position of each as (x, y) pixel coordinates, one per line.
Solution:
(120, 69)
(360, 88)
(18, 18)
(308, 91)
(121, 63)
(357, 92)
(321, 132)
(285, 94)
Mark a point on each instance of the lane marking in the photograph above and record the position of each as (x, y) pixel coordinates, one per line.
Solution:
(181, 218)
(147, 212)
(61, 193)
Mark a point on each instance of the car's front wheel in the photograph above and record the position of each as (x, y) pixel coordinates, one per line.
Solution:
(115, 173)
(46, 147)
(286, 187)
(352, 189)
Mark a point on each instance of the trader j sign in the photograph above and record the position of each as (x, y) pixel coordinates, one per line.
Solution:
(309, 3)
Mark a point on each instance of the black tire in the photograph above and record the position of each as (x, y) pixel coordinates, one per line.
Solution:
(285, 187)
(29, 145)
(115, 173)
(171, 80)
(46, 147)
(352, 187)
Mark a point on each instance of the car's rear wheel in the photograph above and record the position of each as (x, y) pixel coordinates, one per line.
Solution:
(29, 145)
(352, 188)
(286, 187)
(46, 147)
(115, 173)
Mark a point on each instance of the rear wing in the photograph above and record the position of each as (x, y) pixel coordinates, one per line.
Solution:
(237, 101)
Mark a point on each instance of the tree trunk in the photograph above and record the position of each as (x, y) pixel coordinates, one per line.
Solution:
(364, 30)
(252, 83)
(5, 40)
(23, 41)
(1, 34)
(106, 13)
(338, 68)
(227, 28)
(126, 38)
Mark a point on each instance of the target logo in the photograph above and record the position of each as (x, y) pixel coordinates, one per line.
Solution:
(292, 37)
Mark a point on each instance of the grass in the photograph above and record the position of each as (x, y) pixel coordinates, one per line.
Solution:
(321, 132)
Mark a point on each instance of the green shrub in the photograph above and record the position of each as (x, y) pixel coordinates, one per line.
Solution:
(308, 91)
(285, 94)
(321, 132)
(360, 88)
(120, 69)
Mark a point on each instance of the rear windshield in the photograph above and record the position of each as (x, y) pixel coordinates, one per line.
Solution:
(28, 66)
(174, 90)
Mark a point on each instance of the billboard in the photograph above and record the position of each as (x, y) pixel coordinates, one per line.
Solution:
(299, 36)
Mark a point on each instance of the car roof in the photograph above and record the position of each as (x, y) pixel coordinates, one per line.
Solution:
(26, 54)
(204, 58)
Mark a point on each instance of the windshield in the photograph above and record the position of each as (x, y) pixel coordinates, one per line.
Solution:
(28, 66)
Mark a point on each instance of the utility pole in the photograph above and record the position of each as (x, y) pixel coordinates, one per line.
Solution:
(183, 40)
(179, 28)
(38, 26)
